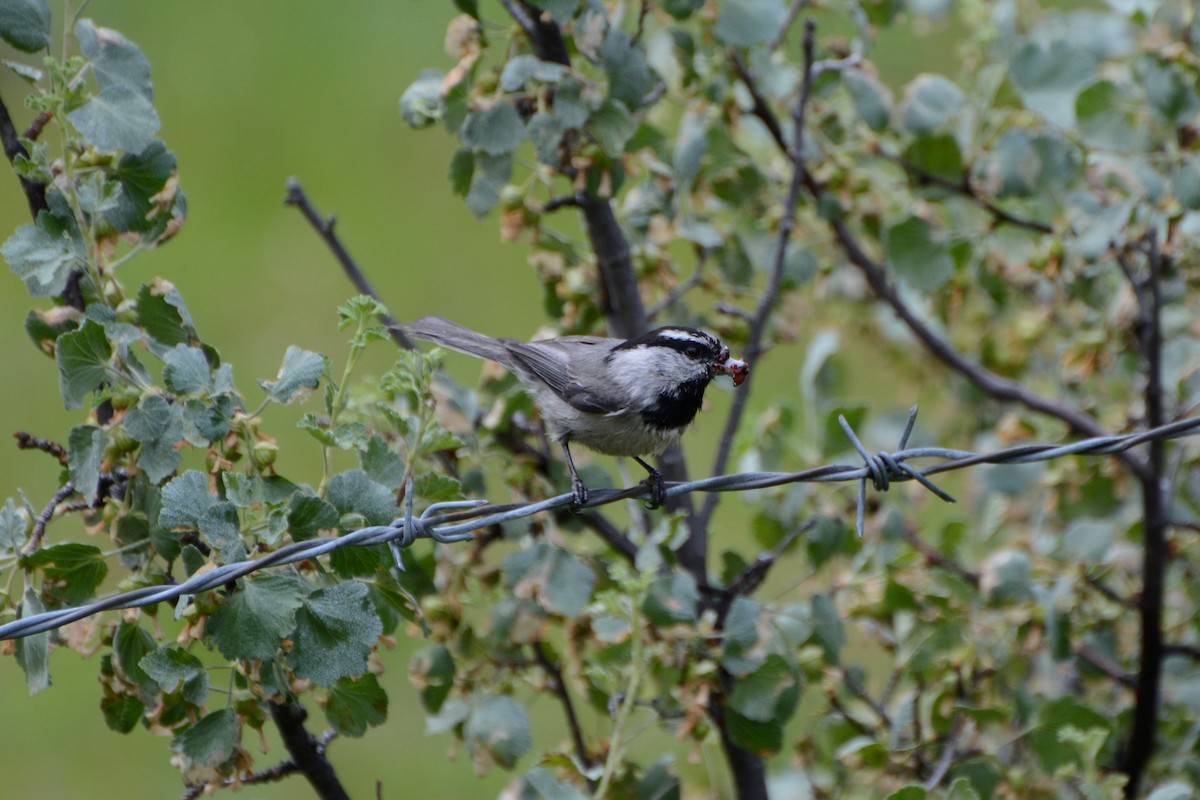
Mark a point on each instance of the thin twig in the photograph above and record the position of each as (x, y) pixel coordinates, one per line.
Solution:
(677, 293)
(770, 295)
(964, 188)
(564, 697)
(27, 441)
(43, 519)
(1102, 663)
(297, 198)
(756, 572)
(937, 557)
(793, 11)
(859, 691)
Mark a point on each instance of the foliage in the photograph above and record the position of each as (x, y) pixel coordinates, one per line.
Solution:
(1028, 218)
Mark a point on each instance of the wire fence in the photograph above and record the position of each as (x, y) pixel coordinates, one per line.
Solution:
(452, 522)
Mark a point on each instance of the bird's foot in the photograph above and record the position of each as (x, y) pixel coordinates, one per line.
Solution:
(580, 495)
(654, 483)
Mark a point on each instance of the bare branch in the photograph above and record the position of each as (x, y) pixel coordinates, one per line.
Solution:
(297, 198)
(35, 193)
(564, 697)
(307, 753)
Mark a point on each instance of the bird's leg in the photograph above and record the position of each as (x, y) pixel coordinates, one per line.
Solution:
(577, 488)
(654, 482)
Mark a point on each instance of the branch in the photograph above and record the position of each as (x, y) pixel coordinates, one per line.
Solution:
(307, 753)
(269, 775)
(297, 198)
(43, 519)
(755, 573)
(964, 188)
(564, 697)
(1104, 664)
(35, 193)
(1155, 555)
(937, 557)
(27, 441)
(770, 296)
(993, 385)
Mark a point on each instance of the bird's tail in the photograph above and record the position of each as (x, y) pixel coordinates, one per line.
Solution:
(442, 331)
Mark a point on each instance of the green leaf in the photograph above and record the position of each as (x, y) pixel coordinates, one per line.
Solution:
(174, 668)
(432, 671)
(261, 613)
(1107, 117)
(497, 732)
(546, 132)
(116, 61)
(353, 492)
(1173, 790)
(336, 628)
(355, 705)
(519, 70)
(25, 24)
(561, 11)
(187, 370)
(930, 101)
(141, 176)
(433, 487)
(381, 463)
(300, 374)
(309, 514)
(43, 255)
(72, 571)
(937, 154)
(962, 789)
(540, 784)
(210, 742)
(14, 527)
(158, 425)
(629, 77)
(909, 793)
(761, 738)
(462, 172)
(82, 357)
(220, 527)
(919, 257)
(613, 127)
(749, 22)
(184, 501)
(1048, 75)
(872, 100)
(490, 175)
(85, 452)
(244, 491)
(1171, 93)
(563, 584)
(827, 627)
(118, 119)
(122, 712)
(421, 103)
(33, 652)
(163, 314)
(130, 645)
(495, 130)
(670, 599)
(740, 654)
(770, 693)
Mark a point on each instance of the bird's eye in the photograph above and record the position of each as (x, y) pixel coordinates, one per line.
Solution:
(692, 350)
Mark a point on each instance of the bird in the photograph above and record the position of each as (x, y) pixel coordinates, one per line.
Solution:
(621, 397)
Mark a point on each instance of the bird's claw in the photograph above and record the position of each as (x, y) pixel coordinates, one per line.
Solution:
(579, 496)
(654, 484)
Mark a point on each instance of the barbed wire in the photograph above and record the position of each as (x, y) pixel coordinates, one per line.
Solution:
(451, 522)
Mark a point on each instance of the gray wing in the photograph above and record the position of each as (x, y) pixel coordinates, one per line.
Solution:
(552, 363)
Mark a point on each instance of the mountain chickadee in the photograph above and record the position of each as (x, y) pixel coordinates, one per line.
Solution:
(620, 397)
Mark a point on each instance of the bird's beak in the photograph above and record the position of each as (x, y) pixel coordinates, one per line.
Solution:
(733, 367)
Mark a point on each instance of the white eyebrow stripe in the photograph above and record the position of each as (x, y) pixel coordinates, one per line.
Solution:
(686, 336)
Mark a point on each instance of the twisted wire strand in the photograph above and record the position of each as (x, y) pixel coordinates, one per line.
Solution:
(452, 522)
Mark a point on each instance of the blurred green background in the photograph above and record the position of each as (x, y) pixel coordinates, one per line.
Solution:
(250, 94)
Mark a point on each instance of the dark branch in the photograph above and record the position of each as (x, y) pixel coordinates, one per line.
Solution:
(1102, 663)
(564, 697)
(269, 775)
(770, 296)
(964, 188)
(755, 573)
(324, 227)
(938, 558)
(35, 193)
(27, 441)
(1155, 555)
(990, 383)
(307, 753)
(43, 519)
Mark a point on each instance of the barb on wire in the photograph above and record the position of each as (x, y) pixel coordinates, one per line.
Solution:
(451, 522)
